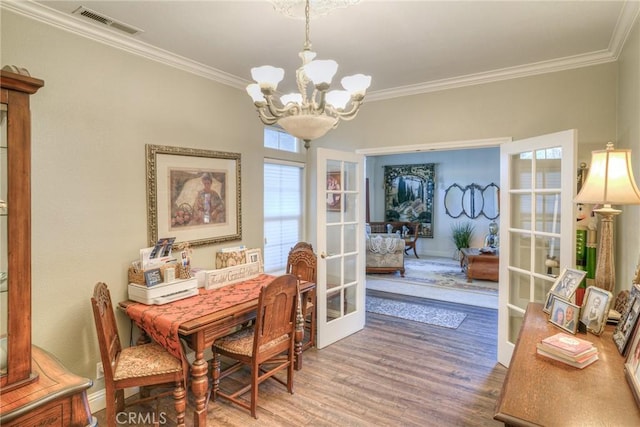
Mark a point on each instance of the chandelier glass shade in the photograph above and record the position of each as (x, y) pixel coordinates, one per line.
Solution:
(314, 110)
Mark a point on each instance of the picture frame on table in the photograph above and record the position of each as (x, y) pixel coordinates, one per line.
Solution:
(193, 194)
(567, 283)
(152, 277)
(255, 255)
(564, 315)
(628, 320)
(595, 309)
(632, 366)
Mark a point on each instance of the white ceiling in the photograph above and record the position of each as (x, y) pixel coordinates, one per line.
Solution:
(406, 46)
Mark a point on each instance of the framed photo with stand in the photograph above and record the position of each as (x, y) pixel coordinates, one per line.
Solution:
(152, 277)
(628, 320)
(193, 194)
(595, 309)
(564, 315)
(632, 366)
(567, 283)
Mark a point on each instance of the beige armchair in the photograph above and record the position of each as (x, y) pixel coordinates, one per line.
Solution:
(385, 254)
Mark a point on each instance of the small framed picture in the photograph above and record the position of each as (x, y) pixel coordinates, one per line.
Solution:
(548, 303)
(254, 255)
(152, 277)
(567, 283)
(595, 309)
(632, 366)
(628, 321)
(564, 315)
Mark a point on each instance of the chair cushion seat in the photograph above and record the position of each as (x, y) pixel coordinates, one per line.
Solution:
(145, 360)
(241, 342)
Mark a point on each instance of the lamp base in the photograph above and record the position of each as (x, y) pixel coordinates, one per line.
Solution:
(605, 268)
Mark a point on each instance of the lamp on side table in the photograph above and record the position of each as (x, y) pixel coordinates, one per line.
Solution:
(609, 182)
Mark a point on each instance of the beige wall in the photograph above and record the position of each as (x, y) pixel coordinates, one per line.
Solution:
(628, 136)
(100, 106)
(91, 121)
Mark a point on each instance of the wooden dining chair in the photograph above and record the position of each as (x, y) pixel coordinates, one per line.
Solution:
(142, 366)
(267, 346)
(302, 262)
(411, 240)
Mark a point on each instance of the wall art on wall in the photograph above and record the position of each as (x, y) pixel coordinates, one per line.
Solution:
(334, 185)
(193, 194)
(409, 194)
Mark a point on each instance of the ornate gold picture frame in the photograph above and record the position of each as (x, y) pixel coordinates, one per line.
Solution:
(193, 195)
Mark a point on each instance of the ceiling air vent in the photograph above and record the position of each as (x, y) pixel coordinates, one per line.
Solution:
(105, 20)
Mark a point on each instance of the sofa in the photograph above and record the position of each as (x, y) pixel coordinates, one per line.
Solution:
(385, 253)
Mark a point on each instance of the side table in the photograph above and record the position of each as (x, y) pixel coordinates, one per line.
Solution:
(478, 265)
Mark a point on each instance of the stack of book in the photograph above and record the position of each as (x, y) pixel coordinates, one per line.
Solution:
(568, 349)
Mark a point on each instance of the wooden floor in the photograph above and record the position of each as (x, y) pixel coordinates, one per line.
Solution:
(394, 372)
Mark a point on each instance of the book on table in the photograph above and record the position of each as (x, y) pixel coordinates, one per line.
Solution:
(588, 361)
(568, 349)
(568, 344)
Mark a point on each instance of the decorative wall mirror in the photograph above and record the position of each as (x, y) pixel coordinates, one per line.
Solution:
(491, 196)
(453, 201)
(409, 195)
(472, 201)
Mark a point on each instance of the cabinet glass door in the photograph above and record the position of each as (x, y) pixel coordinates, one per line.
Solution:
(4, 255)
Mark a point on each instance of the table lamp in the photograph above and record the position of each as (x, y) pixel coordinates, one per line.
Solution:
(609, 182)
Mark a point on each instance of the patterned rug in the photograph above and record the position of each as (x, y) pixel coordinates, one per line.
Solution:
(442, 272)
(416, 312)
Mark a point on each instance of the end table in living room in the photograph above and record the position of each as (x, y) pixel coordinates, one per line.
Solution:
(479, 265)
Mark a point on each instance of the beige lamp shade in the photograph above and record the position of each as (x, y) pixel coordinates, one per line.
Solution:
(610, 179)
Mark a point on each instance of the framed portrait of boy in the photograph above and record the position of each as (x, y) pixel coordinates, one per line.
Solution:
(595, 309)
(564, 315)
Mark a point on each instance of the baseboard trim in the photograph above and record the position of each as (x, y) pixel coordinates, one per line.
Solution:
(98, 401)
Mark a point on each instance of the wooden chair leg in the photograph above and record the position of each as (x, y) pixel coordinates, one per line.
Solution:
(414, 251)
(180, 401)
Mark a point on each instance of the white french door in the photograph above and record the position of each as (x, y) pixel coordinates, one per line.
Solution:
(340, 244)
(537, 227)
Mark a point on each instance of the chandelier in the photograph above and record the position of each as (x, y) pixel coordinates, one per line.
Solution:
(314, 110)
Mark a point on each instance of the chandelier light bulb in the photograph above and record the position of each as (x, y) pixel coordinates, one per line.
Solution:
(321, 71)
(255, 93)
(338, 98)
(356, 84)
(267, 77)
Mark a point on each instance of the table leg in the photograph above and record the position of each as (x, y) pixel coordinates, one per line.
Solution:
(199, 387)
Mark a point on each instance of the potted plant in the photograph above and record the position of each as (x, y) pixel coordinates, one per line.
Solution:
(462, 233)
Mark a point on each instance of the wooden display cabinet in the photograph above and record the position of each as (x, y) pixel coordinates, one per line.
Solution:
(36, 389)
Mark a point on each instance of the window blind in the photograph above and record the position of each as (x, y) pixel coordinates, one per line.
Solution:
(282, 213)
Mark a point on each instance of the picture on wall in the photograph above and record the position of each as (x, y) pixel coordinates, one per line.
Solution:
(409, 194)
(193, 194)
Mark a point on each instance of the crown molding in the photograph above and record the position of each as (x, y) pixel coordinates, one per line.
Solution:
(41, 13)
(105, 35)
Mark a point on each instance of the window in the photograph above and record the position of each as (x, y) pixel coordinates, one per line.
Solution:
(280, 140)
(283, 184)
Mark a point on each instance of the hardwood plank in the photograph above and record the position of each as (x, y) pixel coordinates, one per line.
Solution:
(394, 372)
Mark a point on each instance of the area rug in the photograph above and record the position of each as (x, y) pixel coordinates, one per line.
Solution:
(416, 312)
(442, 272)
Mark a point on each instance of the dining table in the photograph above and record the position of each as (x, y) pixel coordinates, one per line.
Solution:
(199, 320)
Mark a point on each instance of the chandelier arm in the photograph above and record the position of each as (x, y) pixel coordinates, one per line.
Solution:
(346, 115)
(264, 117)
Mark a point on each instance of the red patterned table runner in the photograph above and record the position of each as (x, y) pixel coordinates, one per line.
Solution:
(161, 322)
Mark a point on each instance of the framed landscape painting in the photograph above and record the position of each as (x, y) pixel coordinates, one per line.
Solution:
(193, 194)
